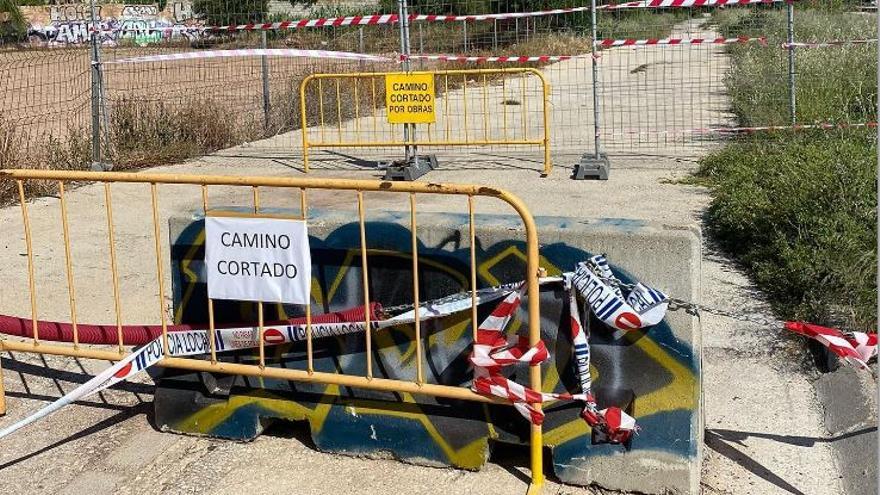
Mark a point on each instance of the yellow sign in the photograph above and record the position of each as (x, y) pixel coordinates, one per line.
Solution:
(410, 98)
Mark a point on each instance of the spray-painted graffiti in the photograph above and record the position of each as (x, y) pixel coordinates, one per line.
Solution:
(654, 375)
(72, 12)
(140, 24)
(140, 11)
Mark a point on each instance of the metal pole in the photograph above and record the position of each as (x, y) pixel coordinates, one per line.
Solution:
(495, 34)
(594, 35)
(877, 182)
(96, 90)
(792, 98)
(264, 60)
(421, 47)
(465, 36)
(360, 47)
(408, 133)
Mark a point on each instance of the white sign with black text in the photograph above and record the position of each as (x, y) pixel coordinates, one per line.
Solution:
(258, 259)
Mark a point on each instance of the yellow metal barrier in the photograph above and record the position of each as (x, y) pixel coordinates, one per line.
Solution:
(253, 187)
(475, 107)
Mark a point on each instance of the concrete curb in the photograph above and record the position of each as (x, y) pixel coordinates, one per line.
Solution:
(849, 398)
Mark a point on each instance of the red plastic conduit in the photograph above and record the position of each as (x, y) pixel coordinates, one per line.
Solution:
(142, 334)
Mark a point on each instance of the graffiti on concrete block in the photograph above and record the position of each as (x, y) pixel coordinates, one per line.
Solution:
(654, 375)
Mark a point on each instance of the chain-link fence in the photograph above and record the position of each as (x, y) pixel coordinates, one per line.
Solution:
(77, 87)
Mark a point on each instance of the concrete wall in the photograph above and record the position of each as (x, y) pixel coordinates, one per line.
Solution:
(660, 368)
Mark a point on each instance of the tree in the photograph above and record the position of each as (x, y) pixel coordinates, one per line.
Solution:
(13, 27)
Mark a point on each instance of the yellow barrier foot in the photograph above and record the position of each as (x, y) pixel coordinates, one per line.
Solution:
(535, 488)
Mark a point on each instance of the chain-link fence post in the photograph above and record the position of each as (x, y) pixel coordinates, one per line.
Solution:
(267, 99)
(792, 96)
(402, 12)
(413, 165)
(464, 37)
(595, 165)
(97, 90)
(877, 210)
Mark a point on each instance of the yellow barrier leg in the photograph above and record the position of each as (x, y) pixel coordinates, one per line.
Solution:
(2, 389)
(533, 271)
(537, 441)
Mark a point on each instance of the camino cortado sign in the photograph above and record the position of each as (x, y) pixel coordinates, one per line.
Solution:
(258, 259)
(410, 98)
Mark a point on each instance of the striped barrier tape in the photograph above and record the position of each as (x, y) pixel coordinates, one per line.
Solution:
(827, 44)
(253, 52)
(741, 130)
(356, 20)
(196, 342)
(857, 348)
(491, 351)
(600, 289)
(327, 54)
(492, 59)
(608, 43)
(639, 4)
(611, 424)
(379, 19)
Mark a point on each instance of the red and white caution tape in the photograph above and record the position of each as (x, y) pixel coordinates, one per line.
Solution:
(857, 348)
(643, 4)
(196, 342)
(490, 59)
(491, 351)
(739, 130)
(661, 4)
(254, 52)
(643, 307)
(378, 19)
(827, 44)
(601, 290)
(608, 43)
(610, 424)
(356, 20)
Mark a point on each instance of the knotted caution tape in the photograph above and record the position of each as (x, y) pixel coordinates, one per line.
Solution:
(857, 348)
(593, 279)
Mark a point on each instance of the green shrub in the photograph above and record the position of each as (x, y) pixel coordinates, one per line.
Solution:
(837, 84)
(799, 211)
(798, 208)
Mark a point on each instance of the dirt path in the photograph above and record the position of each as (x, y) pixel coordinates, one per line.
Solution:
(763, 422)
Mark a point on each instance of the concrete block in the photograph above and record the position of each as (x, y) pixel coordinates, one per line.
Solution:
(656, 374)
(849, 398)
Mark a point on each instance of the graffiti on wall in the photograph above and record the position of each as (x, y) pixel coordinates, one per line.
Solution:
(66, 24)
(653, 375)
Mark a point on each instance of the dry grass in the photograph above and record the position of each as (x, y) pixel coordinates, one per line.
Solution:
(170, 113)
(144, 133)
(69, 153)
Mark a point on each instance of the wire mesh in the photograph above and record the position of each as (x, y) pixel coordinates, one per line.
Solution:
(678, 99)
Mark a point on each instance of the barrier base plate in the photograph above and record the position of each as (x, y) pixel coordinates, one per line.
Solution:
(409, 169)
(591, 167)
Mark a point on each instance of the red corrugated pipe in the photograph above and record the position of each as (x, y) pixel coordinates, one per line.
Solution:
(142, 334)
